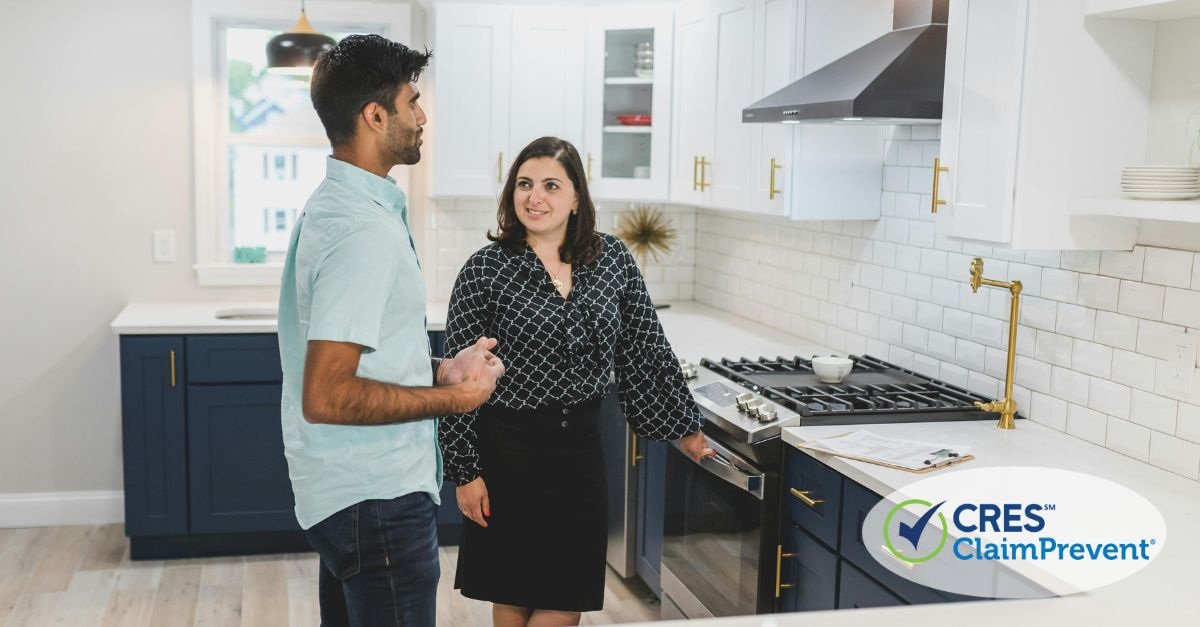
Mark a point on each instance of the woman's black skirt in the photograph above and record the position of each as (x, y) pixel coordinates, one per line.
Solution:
(545, 543)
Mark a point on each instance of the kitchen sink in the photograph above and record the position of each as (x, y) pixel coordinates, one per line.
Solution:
(248, 313)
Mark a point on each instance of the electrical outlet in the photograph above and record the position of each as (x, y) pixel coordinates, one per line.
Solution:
(1181, 362)
(164, 246)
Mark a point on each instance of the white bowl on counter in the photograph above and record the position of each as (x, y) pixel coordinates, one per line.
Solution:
(832, 369)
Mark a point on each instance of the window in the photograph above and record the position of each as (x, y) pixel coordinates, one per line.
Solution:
(260, 147)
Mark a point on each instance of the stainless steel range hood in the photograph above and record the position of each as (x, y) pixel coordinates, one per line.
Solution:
(895, 79)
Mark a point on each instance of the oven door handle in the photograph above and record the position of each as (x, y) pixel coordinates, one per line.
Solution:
(729, 467)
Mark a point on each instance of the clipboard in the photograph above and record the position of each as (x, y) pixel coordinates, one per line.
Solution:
(942, 463)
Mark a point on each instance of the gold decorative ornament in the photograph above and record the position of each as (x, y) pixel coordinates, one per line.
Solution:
(647, 233)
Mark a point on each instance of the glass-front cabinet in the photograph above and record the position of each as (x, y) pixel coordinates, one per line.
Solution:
(628, 102)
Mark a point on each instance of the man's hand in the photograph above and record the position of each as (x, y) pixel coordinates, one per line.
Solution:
(696, 446)
(452, 368)
(473, 501)
(478, 381)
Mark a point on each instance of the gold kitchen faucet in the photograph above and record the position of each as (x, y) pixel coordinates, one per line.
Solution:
(1006, 406)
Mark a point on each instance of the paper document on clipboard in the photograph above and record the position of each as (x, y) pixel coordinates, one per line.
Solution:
(910, 455)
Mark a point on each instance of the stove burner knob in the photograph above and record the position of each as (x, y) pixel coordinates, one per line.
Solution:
(743, 400)
(752, 409)
(767, 415)
(689, 371)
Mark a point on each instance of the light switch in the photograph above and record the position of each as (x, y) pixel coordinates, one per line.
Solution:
(164, 246)
(1181, 362)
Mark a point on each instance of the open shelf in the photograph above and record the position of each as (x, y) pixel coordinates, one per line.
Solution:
(1169, 210)
(636, 130)
(1156, 10)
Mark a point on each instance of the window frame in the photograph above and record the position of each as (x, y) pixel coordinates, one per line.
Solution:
(210, 116)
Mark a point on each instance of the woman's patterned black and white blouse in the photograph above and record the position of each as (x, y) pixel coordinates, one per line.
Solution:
(562, 351)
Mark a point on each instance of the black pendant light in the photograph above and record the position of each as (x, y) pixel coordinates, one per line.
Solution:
(295, 51)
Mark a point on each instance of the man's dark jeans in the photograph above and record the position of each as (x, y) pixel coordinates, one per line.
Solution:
(379, 563)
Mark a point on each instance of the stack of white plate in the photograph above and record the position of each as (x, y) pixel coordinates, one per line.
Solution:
(1161, 182)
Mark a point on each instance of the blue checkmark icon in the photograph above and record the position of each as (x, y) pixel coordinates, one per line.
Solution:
(913, 533)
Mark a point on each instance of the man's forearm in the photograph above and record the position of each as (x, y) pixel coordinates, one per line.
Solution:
(358, 401)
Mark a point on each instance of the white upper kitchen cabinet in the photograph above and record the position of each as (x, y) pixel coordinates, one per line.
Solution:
(470, 118)
(777, 61)
(1042, 106)
(627, 104)
(837, 169)
(503, 77)
(710, 155)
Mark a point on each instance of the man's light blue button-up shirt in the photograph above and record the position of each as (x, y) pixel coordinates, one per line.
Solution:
(352, 275)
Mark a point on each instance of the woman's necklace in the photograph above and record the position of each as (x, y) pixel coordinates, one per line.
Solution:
(558, 284)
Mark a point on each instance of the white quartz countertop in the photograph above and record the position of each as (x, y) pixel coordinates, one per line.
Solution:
(1162, 593)
(201, 317)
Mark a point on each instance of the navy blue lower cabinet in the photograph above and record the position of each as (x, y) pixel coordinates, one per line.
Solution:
(239, 476)
(651, 500)
(154, 435)
(808, 573)
(858, 590)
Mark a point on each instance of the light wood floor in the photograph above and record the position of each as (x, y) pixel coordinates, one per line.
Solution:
(83, 576)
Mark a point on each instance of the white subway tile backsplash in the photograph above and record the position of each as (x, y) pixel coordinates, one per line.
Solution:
(1155, 339)
(1032, 374)
(1182, 307)
(896, 230)
(1111, 398)
(891, 331)
(1123, 265)
(884, 253)
(1076, 321)
(1081, 260)
(945, 292)
(974, 302)
(942, 346)
(1086, 423)
(1187, 426)
(1098, 292)
(982, 384)
(933, 262)
(1045, 258)
(1141, 300)
(929, 315)
(1039, 313)
(1128, 439)
(1009, 254)
(908, 258)
(1060, 285)
(1052, 348)
(968, 353)
(916, 338)
(926, 132)
(1168, 267)
(988, 331)
(1116, 330)
(1178, 456)
(894, 281)
(1069, 385)
(1196, 273)
(921, 234)
(995, 361)
(926, 365)
(1154, 411)
(918, 286)
(907, 206)
(1092, 358)
(1048, 411)
(1133, 369)
(954, 375)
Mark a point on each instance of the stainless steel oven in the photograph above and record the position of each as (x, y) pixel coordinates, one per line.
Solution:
(720, 533)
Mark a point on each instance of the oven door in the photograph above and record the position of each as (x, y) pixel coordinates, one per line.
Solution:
(721, 526)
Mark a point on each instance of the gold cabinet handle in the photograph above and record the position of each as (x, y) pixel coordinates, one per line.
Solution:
(938, 168)
(695, 172)
(805, 498)
(172, 368)
(500, 167)
(704, 162)
(633, 456)
(888, 552)
(772, 191)
(779, 557)
(589, 168)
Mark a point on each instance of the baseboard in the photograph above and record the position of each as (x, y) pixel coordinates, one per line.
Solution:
(52, 509)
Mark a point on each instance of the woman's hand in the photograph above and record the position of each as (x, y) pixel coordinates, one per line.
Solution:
(695, 446)
(473, 501)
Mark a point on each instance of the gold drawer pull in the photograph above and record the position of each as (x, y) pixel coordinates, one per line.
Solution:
(772, 192)
(937, 168)
(172, 368)
(908, 565)
(779, 557)
(805, 498)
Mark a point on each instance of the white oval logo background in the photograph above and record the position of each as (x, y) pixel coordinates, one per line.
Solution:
(1082, 515)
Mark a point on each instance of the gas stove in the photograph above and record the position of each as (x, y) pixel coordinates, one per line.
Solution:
(748, 402)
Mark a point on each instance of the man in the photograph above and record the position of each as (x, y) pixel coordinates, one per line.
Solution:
(357, 398)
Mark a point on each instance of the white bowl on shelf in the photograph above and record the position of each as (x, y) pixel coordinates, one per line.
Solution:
(832, 369)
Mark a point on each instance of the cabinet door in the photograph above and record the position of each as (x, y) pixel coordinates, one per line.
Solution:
(651, 459)
(837, 169)
(239, 477)
(809, 571)
(546, 92)
(471, 114)
(733, 34)
(857, 590)
(154, 435)
(980, 116)
(779, 35)
(695, 101)
(628, 72)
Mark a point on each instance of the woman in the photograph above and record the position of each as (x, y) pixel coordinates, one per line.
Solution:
(568, 306)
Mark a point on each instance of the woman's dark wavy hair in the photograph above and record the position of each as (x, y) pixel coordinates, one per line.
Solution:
(359, 70)
(582, 244)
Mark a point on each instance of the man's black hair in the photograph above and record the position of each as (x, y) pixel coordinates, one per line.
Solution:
(359, 70)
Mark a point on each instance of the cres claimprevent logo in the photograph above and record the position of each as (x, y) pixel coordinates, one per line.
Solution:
(911, 535)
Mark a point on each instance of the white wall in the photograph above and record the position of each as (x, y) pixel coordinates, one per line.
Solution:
(96, 154)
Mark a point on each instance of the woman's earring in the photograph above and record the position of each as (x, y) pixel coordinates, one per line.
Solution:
(574, 210)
